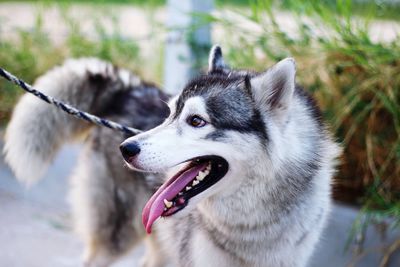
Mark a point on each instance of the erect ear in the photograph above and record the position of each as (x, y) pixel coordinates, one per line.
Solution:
(216, 60)
(274, 88)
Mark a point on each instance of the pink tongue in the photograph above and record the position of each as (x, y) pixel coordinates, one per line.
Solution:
(155, 206)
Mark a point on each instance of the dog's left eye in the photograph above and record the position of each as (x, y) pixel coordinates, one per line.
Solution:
(196, 121)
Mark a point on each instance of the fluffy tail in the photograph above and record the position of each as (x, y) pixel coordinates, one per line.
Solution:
(37, 130)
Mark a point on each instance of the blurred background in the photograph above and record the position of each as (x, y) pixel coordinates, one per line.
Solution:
(348, 57)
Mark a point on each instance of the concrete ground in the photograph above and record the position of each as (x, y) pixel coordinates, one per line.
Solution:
(36, 226)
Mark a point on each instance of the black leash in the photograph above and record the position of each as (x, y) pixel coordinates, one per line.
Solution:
(67, 108)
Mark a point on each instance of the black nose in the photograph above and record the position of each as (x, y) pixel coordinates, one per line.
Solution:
(129, 150)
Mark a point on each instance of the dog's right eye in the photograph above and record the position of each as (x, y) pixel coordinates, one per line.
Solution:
(196, 121)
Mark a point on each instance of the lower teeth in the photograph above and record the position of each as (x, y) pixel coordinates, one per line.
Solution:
(169, 204)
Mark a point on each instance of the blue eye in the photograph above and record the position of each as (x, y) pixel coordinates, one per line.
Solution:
(196, 121)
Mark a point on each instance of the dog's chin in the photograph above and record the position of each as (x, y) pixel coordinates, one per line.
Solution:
(135, 166)
(183, 190)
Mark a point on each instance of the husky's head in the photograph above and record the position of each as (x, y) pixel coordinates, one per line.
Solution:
(215, 132)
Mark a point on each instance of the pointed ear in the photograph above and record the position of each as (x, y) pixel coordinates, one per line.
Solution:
(216, 60)
(274, 88)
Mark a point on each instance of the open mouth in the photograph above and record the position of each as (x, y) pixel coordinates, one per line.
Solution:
(198, 175)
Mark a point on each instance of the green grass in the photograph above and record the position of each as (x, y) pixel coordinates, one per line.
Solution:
(381, 9)
(375, 8)
(97, 2)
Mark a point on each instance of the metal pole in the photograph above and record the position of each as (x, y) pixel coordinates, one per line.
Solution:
(188, 42)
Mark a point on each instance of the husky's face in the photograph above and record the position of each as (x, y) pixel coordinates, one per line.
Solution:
(215, 127)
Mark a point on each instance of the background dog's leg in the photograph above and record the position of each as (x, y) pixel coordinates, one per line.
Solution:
(102, 212)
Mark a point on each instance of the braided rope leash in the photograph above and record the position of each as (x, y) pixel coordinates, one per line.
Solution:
(67, 108)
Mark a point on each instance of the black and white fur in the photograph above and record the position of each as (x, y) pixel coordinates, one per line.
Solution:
(268, 210)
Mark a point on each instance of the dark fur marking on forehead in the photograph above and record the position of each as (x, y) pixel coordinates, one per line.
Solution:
(207, 83)
(200, 86)
(239, 115)
(229, 103)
